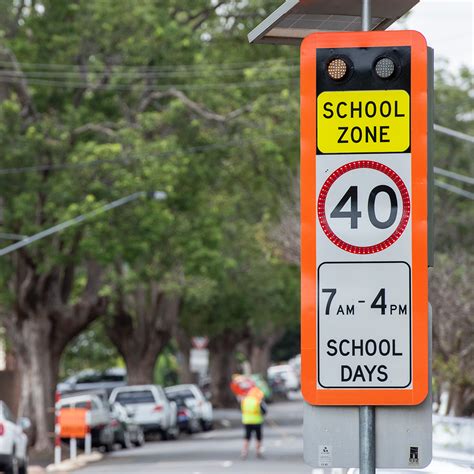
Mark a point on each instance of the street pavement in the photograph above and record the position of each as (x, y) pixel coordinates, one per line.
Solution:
(218, 451)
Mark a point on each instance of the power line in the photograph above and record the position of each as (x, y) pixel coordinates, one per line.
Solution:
(190, 150)
(145, 74)
(454, 189)
(131, 159)
(453, 133)
(165, 67)
(159, 195)
(162, 87)
(451, 174)
(9, 236)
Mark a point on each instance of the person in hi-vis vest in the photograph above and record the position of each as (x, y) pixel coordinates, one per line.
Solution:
(253, 409)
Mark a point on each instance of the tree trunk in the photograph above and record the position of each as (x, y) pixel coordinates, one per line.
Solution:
(38, 352)
(222, 365)
(261, 349)
(39, 367)
(140, 328)
(140, 356)
(40, 326)
(458, 403)
(260, 358)
(141, 370)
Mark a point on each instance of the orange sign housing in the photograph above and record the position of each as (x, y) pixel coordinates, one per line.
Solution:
(364, 219)
(73, 422)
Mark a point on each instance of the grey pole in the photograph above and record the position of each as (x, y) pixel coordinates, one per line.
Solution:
(366, 413)
(159, 195)
(367, 440)
(366, 15)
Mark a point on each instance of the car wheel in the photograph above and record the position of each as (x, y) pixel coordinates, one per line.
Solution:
(207, 425)
(126, 442)
(140, 441)
(174, 432)
(170, 434)
(13, 466)
(108, 447)
(23, 469)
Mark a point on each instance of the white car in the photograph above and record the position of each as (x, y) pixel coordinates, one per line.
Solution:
(287, 373)
(101, 421)
(193, 396)
(13, 442)
(149, 407)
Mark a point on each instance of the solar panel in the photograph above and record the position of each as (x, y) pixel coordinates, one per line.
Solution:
(296, 19)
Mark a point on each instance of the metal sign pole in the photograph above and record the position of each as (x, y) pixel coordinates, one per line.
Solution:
(367, 440)
(366, 15)
(366, 413)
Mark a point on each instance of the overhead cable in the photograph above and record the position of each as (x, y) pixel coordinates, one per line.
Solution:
(453, 133)
(76, 220)
(165, 67)
(130, 159)
(454, 189)
(451, 174)
(160, 87)
(142, 74)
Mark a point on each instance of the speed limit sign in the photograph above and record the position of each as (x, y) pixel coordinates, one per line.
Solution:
(364, 255)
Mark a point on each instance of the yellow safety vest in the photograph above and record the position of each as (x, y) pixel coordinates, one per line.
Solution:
(251, 411)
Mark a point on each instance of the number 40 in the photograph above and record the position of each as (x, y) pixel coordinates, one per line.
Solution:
(354, 214)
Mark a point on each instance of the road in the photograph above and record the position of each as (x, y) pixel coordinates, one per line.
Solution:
(218, 452)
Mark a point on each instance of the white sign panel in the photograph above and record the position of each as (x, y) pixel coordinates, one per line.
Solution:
(364, 330)
(350, 355)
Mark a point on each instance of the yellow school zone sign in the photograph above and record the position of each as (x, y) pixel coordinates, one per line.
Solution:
(363, 121)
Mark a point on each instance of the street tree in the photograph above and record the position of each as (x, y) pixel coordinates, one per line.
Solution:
(90, 114)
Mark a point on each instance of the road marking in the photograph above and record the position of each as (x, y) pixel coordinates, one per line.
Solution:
(194, 464)
(207, 435)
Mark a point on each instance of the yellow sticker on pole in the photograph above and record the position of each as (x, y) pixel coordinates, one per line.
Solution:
(363, 121)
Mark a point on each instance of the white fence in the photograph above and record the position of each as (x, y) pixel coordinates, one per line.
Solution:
(453, 433)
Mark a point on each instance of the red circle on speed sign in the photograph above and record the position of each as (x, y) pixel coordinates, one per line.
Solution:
(370, 248)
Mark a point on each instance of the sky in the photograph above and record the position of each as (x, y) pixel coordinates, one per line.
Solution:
(448, 26)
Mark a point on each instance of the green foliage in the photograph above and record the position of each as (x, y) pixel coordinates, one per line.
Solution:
(90, 350)
(132, 96)
(166, 369)
(454, 105)
(141, 96)
(289, 345)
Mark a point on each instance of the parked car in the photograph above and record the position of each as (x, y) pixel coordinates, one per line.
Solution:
(278, 386)
(149, 407)
(89, 379)
(127, 433)
(287, 374)
(188, 420)
(196, 399)
(295, 362)
(13, 442)
(102, 428)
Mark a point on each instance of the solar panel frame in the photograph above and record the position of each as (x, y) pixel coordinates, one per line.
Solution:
(296, 19)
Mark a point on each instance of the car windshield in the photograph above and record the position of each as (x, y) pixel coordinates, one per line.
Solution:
(184, 394)
(135, 397)
(78, 404)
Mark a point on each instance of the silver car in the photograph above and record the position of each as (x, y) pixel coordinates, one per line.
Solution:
(194, 396)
